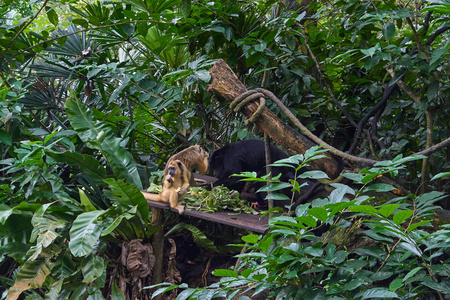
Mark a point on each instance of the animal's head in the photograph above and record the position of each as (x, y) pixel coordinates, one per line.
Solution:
(176, 168)
(216, 162)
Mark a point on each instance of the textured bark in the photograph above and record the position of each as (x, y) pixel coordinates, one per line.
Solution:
(158, 246)
(225, 84)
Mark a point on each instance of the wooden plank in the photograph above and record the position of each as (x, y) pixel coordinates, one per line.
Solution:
(254, 223)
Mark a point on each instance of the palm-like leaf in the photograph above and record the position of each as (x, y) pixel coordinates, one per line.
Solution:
(99, 136)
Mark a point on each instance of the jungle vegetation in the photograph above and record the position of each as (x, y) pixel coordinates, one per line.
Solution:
(96, 95)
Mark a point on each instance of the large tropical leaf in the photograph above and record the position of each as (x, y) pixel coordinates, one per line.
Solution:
(127, 194)
(87, 163)
(85, 233)
(99, 136)
(31, 276)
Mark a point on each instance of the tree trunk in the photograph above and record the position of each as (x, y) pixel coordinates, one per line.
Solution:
(226, 84)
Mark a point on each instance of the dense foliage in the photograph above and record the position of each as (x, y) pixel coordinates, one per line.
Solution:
(97, 94)
(384, 251)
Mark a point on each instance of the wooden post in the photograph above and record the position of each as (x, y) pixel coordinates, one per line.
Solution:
(226, 84)
(158, 245)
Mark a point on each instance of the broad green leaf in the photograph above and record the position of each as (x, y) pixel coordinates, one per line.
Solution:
(88, 128)
(367, 209)
(396, 284)
(276, 196)
(410, 247)
(382, 293)
(415, 225)
(92, 268)
(338, 194)
(32, 275)
(85, 202)
(387, 210)
(84, 233)
(307, 220)
(318, 212)
(116, 222)
(87, 163)
(225, 273)
(314, 175)
(5, 212)
(401, 216)
(52, 15)
(440, 175)
(116, 293)
(314, 251)
(198, 236)
(274, 187)
(389, 30)
(128, 195)
(185, 8)
(411, 273)
(380, 187)
(250, 238)
(5, 138)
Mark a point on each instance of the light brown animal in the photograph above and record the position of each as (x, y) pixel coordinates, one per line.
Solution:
(175, 185)
(194, 157)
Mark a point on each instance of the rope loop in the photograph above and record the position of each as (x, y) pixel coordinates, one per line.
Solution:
(244, 99)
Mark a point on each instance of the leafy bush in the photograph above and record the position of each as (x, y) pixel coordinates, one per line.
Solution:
(397, 254)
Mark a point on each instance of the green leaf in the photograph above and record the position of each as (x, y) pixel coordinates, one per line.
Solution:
(396, 284)
(401, 216)
(116, 293)
(92, 268)
(84, 233)
(380, 187)
(415, 225)
(52, 15)
(411, 273)
(31, 275)
(367, 209)
(198, 236)
(250, 238)
(225, 273)
(318, 212)
(440, 175)
(85, 202)
(5, 138)
(314, 175)
(119, 159)
(382, 293)
(412, 248)
(82, 22)
(387, 210)
(274, 187)
(87, 163)
(314, 251)
(388, 30)
(185, 8)
(128, 195)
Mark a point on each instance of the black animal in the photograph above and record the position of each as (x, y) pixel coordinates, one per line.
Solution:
(246, 156)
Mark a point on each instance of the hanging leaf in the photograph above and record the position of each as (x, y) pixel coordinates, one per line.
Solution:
(186, 8)
(128, 195)
(401, 216)
(85, 233)
(32, 275)
(52, 15)
(89, 129)
(389, 30)
(92, 268)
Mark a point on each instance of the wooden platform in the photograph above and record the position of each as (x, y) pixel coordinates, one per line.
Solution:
(254, 223)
